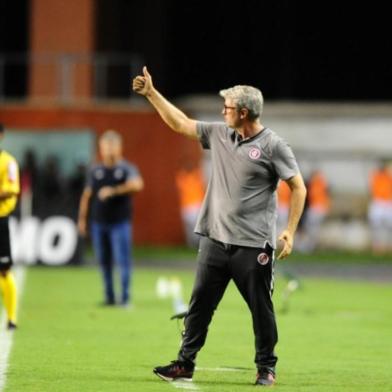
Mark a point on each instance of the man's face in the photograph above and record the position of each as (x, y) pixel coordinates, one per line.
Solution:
(110, 149)
(230, 113)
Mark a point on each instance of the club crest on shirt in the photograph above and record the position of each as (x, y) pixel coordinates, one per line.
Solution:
(263, 258)
(12, 171)
(254, 153)
(118, 173)
(99, 174)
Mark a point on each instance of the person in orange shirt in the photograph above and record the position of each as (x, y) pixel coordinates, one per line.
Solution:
(190, 186)
(318, 202)
(380, 208)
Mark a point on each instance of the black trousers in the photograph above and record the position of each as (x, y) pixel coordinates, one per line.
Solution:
(252, 272)
(5, 246)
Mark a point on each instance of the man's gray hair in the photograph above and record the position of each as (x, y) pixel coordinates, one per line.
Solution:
(111, 136)
(247, 97)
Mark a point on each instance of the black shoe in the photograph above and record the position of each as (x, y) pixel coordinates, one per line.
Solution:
(265, 377)
(11, 326)
(177, 370)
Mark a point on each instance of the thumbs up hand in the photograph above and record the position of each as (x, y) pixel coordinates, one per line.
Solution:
(142, 84)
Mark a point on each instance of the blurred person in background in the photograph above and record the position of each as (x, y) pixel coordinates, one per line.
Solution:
(51, 187)
(380, 208)
(75, 186)
(29, 183)
(9, 190)
(190, 186)
(237, 221)
(318, 204)
(108, 195)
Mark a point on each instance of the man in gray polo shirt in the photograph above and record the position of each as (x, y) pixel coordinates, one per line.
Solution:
(237, 221)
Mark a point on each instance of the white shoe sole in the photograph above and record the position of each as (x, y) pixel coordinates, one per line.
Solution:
(170, 379)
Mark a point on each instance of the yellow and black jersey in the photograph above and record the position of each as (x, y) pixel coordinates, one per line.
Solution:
(9, 183)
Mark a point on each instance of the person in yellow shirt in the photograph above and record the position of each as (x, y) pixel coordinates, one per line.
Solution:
(9, 190)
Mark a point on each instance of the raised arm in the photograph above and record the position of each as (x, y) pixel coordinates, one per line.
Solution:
(171, 115)
(297, 202)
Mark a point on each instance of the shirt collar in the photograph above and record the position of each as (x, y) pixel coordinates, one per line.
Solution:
(237, 139)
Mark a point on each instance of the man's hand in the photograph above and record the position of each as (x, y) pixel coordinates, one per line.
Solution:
(177, 120)
(82, 227)
(106, 192)
(6, 195)
(143, 84)
(287, 239)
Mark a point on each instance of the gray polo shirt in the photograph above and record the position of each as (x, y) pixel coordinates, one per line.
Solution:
(240, 205)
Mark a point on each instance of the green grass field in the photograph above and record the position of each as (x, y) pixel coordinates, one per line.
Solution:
(336, 337)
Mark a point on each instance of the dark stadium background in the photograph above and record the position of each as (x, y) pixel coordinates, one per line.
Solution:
(303, 50)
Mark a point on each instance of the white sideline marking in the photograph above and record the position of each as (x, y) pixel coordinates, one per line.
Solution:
(221, 369)
(6, 337)
(191, 386)
(185, 385)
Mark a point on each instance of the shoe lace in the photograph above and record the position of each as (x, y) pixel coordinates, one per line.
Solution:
(176, 365)
(179, 365)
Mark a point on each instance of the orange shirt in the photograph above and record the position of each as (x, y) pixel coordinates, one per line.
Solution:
(318, 196)
(190, 186)
(284, 194)
(381, 186)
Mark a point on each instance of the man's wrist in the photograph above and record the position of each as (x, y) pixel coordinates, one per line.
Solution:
(151, 93)
(290, 231)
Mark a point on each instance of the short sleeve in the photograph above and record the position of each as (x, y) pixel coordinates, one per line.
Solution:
(12, 176)
(204, 133)
(132, 172)
(284, 161)
(89, 178)
(12, 171)
(208, 132)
